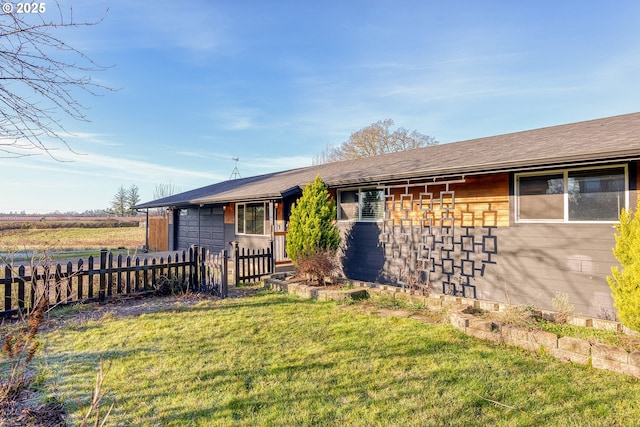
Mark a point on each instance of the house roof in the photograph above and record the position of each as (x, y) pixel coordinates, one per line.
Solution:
(594, 141)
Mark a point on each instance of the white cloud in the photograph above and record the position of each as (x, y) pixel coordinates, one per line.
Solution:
(229, 118)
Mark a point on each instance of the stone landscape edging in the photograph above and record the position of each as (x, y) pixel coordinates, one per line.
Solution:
(566, 349)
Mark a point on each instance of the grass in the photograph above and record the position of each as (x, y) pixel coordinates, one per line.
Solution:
(61, 239)
(618, 339)
(274, 359)
(526, 317)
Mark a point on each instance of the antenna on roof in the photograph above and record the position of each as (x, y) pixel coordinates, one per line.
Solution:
(236, 173)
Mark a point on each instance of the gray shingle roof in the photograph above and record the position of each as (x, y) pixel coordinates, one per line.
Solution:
(601, 140)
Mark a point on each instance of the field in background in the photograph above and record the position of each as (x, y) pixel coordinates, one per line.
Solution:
(75, 235)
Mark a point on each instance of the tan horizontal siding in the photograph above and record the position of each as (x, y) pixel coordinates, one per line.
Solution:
(479, 201)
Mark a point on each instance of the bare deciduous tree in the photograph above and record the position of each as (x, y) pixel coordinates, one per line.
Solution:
(161, 191)
(375, 139)
(39, 74)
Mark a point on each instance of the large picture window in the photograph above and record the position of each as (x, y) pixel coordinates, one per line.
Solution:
(575, 195)
(251, 218)
(361, 205)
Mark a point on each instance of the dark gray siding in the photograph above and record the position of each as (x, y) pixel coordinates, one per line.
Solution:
(200, 226)
(535, 261)
(256, 241)
(522, 264)
(363, 256)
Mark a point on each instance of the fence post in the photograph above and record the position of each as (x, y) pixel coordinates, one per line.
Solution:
(21, 288)
(8, 281)
(224, 291)
(272, 258)
(110, 275)
(195, 266)
(103, 275)
(236, 271)
(203, 269)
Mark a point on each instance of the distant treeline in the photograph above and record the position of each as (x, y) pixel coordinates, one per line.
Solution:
(42, 224)
(59, 217)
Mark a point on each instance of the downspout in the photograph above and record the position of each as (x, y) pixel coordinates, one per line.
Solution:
(199, 207)
(146, 233)
(272, 240)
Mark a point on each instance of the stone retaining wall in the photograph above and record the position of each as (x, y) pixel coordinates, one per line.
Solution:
(315, 292)
(567, 349)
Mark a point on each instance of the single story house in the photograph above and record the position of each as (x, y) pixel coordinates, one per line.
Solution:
(514, 218)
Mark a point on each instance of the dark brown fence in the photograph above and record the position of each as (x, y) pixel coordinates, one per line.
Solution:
(253, 264)
(105, 277)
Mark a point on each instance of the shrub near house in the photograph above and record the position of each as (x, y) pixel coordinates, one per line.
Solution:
(624, 282)
(313, 237)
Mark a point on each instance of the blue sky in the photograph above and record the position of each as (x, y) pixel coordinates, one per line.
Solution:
(274, 82)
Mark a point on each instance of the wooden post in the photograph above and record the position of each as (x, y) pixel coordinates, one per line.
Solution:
(195, 265)
(69, 281)
(103, 275)
(58, 283)
(21, 288)
(183, 276)
(136, 276)
(81, 275)
(203, 269)
(127, 276)
(119, 288)
(145, 274)
(272, 259)
(236, 272)
(110, 274)
(154, 279)
(8, 282)
(224, 291)
(33, 285)
(90, 274)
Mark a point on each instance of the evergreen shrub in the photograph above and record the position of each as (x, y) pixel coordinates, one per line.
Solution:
(312, 225)
(625, 281)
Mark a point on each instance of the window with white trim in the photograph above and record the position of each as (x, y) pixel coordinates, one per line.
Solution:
(362, 204)
(251, 218)
(572, 195)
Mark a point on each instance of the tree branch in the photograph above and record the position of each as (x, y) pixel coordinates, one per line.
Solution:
(39, 76)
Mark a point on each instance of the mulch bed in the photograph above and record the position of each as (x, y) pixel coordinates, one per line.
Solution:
(21, 413)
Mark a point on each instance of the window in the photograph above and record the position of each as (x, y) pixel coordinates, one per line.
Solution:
(541, 197)
(361, 205)
(596, 194)
(251, 218)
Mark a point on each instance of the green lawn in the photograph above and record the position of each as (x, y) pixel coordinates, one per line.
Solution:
(274, 359)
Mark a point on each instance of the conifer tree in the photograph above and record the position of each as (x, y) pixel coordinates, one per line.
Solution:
(625, 282)
(312, 226)
(119, 202)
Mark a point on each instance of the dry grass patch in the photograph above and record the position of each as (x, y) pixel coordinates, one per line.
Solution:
(71, 239)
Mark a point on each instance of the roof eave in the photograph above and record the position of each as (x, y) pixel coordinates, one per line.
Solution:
(491, 168)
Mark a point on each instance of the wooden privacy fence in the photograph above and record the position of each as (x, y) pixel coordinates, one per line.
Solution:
(252, 264)
(105, 277)
(158, 234)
